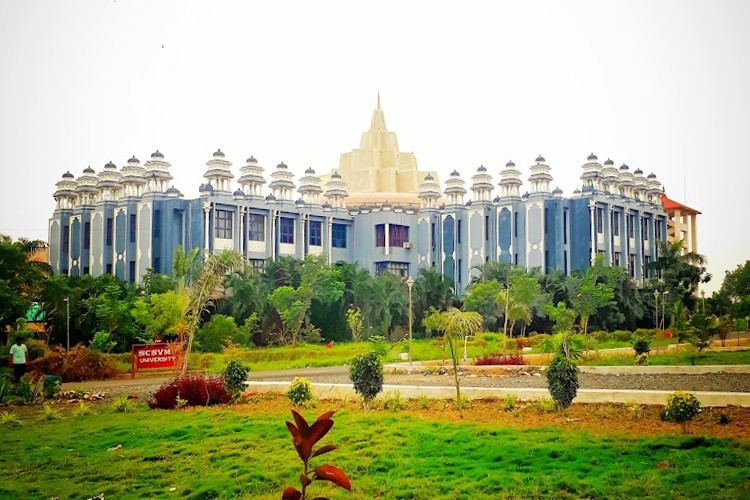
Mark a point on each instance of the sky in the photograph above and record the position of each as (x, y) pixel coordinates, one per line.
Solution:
(662, 86)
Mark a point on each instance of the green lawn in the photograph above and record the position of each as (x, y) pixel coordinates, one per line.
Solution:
(220, 453)
(677, 358)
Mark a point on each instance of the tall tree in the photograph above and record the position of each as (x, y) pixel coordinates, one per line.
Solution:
(481, 298)
(682, 273)
(587, 294)
(431, 289)
(455, 325)
(202, 289)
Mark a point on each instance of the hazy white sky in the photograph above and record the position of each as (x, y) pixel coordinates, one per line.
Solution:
(662, 86)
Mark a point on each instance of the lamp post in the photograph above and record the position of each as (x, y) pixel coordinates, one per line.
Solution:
(656, 309)
(409, 285)
(747, 320)
(67, 321)
(663, 309)
(703, 300)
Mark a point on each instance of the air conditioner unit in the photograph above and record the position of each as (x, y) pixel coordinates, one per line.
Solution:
(407, 244)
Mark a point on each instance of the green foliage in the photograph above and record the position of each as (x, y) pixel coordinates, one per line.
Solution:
(724, 418)
(562, 379)
(30, 390)
(51, 386)
(234, 377)
(682, 407)
(456, 324)
(431, 291)
(161, 315)
(562, 317)
(50, 412)
(219, 331)
(737, 282)
(291, 308)
(21, 278)
(480, 298)
(9, 419)
(7, 394)
(641, 359)
(366, 373)
(37, 348)
(391, 400)
(641, 345)
(621, 335)
(82, 409)
(102, 343)
(508, 402)
(354, 322)
(300, 393)
(379, 345)
(635, 410)
(431, 321)
(122, 404)
(546, 405)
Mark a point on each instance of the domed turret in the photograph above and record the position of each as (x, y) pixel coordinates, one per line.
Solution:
(282, 184)
(510, 181)
(481, 185)
(109, 183)
(251, 178)
(640, 189)
(626, 181)
(219, 173)
(86, 189)
(610, 176)
(336, 191)
(429, 192)
(173, 192)
(593, 174)
(454, 189)
(132, 180)
(540, 177)
(557, 192)
(310, 187)
(654, 189)
(238, 195)
(156, 174)
(65, 192)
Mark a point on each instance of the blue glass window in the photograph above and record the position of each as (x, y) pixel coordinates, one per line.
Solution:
(338, 236)
(286, 230)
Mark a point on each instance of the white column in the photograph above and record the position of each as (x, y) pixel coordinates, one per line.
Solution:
(206, 210)
(592, 205)
(387, 239)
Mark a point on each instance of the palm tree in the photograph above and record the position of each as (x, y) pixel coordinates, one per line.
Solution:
(201, 291)
(682, 273)
(455, 325)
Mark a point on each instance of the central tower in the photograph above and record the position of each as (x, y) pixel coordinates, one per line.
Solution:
(378, 172)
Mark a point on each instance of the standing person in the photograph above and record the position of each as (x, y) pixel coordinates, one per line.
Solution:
(18, 357)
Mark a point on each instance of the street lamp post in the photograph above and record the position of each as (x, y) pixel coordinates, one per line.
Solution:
(663, 309)
(656, 309)
(67, 321)
(747, 320)
(703, 301)
(409, 285)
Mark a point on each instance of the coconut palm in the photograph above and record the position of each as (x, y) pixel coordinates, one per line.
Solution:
(202, 289)
(455, 325)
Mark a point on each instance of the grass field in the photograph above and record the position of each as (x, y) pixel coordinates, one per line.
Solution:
(245, 452)
(677, 358)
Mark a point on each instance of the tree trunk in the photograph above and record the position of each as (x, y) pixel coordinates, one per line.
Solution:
(451, 344)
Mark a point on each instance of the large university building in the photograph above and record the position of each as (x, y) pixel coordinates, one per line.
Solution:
(377, 209)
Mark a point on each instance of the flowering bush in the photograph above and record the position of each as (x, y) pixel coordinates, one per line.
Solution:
(500, 359)
(190, 390)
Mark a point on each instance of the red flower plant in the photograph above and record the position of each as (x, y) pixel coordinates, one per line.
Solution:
(304, 437)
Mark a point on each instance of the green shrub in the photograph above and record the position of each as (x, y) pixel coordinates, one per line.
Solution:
(546, 405)
(508, 403)
(82, 409)
(621, 335)
(122, 404)
(366, 373)
(641, 359)
(37, 348)
(50, 413)
(6, 392)
(641, 345)
(102, 342)
(393, 401)
(30, 390)
(635, 409)
(300, 392)
(214, 334)
(682, 407)
(562, 380)
(234, 376)
(601, 335)
(379, 345)
(10, 419)
(724, 418)
(647, 333)
(423, 402)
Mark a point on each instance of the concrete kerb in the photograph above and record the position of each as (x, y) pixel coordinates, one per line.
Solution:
(599, 370)
(346, 391)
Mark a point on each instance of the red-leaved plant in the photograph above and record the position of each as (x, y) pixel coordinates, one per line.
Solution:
(304, 437)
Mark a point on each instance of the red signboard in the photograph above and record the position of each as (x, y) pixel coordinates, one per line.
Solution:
(150, 356)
